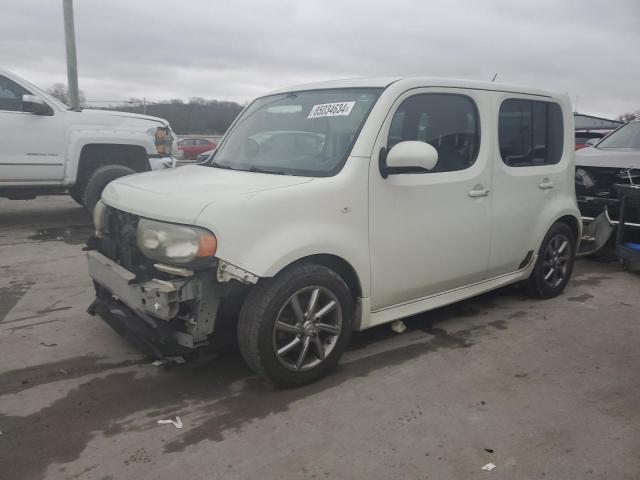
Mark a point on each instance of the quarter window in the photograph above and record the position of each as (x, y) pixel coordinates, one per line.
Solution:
(449, 122)
(530, 133)
(11, 95)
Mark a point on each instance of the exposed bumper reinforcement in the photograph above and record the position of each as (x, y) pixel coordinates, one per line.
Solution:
(156, 342)
(161, 317)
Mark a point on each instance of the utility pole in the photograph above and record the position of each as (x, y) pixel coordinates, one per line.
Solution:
(144, 105)
(72, 63)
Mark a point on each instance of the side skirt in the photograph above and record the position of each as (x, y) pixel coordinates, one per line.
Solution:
(438, 300)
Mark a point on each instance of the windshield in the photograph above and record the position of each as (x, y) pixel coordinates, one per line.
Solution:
(303, 133)
(627, 136)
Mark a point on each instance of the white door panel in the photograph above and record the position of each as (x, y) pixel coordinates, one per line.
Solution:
(520, 193)
(429, 232)
(32, 147)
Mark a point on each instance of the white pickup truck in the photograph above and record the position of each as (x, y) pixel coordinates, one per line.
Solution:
(46, 148)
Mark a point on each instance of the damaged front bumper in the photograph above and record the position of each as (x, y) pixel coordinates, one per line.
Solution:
(596, 233)
(163, 317)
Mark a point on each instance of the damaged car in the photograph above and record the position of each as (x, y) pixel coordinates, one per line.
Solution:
(335, 207)
(600, 170)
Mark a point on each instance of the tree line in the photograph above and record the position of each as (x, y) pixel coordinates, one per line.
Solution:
(196, 116)
(627, 117)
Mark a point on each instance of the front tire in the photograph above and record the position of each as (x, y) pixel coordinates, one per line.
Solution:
(555, 263)
(99, 180)
(294, 328)
(76, 195)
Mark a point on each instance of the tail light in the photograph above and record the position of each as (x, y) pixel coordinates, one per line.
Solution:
(163, 141)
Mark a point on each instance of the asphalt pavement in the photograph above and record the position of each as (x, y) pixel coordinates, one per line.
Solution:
(542, 389)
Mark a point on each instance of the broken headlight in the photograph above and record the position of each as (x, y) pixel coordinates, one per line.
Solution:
(584, 179)
(176, 244)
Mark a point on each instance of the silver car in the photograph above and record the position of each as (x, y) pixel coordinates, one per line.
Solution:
(614, 160)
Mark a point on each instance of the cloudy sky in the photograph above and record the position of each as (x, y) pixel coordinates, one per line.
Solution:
(238, 49)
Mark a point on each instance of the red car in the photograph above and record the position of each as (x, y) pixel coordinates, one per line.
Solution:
(192, 147)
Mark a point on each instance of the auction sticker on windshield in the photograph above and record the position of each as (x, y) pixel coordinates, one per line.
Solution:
(331, 109)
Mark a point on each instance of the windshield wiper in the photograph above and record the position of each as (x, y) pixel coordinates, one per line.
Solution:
(265, 170)
(220, 165)
(250, 169)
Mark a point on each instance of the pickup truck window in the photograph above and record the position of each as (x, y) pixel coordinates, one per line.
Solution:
(307, 133)
(11, 95)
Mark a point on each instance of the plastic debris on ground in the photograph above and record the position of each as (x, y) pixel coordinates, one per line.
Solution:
(488, 467)
(398, 326)
(169, 361)
(176, 423)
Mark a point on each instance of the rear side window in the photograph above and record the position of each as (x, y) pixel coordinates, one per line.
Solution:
(447, 121)
(530, 133)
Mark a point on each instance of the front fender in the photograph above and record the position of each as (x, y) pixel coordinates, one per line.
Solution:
(265, 231)
(275, 252)
(80, 138)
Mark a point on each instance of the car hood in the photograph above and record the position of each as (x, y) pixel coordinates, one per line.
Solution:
(179, 195)
(612, 157)
(138, 116)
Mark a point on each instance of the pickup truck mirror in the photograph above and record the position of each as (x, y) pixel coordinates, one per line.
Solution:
(33, 104)
(591, 142)
(408, 157)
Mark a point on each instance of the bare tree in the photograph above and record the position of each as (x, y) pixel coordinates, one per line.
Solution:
(61, 92)
(627, 117)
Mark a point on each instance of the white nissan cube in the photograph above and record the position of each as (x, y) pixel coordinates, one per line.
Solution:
(335, 207)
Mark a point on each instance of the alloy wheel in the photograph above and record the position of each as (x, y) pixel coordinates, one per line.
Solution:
(307, 328)
(556, 260)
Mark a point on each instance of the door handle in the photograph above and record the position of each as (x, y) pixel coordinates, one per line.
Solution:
(479, 193)
(546, 184)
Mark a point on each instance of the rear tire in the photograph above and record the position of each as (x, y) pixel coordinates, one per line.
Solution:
(99, 180)
(554, 265)
(294, 327)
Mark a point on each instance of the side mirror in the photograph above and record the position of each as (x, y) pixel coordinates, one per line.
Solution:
(592, 142)
(33, 104)
(408, 157)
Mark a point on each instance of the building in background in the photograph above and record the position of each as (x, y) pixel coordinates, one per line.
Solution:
(589, 122)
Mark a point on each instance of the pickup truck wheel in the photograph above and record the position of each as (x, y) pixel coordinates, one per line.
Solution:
(100, 179)
(555, 263)
(294, 328)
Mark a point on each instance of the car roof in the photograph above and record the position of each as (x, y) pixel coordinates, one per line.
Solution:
(412, 82)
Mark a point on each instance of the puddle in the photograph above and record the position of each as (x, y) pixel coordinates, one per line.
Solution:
(581, 298)
(73, 234)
